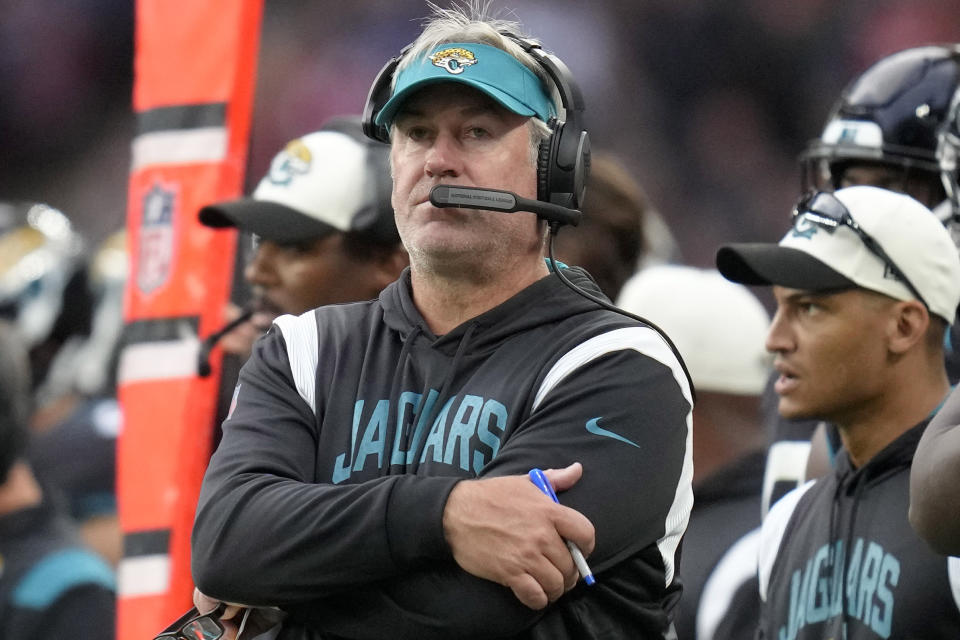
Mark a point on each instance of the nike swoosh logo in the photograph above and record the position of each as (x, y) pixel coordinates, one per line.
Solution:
(593, 426)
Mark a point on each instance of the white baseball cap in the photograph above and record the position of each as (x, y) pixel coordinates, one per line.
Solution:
(331, 180)
(815, 255)
(719, 327)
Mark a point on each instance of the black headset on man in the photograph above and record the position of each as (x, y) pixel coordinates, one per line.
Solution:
(563, 164)
(564, 159)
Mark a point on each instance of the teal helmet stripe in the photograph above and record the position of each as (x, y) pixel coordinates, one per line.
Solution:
(488, 69)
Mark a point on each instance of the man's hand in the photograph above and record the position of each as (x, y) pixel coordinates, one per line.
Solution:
(507, 531)
(206, 604)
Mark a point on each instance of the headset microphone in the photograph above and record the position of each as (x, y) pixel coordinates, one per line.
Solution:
(203, 356)
(444, 195)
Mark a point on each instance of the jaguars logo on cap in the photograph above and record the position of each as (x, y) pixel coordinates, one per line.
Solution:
(294, 160)
(454, 59)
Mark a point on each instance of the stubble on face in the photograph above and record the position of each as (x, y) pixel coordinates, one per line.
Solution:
(452, 134)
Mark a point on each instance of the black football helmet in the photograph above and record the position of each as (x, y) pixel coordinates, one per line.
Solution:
(890, 115)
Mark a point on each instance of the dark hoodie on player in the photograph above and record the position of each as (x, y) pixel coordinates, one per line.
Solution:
(841, 553)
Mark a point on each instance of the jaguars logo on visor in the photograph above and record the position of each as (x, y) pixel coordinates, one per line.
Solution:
(454, 60)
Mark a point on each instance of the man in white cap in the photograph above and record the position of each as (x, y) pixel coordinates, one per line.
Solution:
(719, 328)
(866, 282)
(321, 221)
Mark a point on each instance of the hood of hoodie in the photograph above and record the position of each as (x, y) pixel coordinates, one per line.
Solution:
(545, 301)
(895, 456)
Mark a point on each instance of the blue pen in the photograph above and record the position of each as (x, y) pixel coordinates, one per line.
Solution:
(538, 478)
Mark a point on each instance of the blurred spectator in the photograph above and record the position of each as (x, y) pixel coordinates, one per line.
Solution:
(43, 284)
(719, 328)
(76, 453)
(708, 102)
(612, 240)
(321, 224)
(50, 585)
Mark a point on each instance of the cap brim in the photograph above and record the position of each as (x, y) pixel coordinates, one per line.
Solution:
(393, 105)
(771, 264)
(269, 220)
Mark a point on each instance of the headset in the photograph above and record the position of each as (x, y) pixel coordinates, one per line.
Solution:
(563, 164)
(563, 161)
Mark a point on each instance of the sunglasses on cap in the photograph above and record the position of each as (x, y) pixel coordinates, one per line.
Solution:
(825, 210)
(195, 626)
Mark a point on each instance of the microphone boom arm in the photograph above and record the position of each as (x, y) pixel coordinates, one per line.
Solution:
(444, 195)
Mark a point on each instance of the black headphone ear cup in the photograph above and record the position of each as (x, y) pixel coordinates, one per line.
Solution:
(545, 158)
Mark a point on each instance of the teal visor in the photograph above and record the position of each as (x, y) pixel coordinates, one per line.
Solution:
(483, 67)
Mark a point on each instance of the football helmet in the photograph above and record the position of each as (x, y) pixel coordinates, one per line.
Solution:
(891, 116)
(43, 290)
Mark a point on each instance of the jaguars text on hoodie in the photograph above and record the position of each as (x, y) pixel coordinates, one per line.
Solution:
(352, 423)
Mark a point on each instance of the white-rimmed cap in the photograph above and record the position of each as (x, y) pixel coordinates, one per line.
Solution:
(329, 181)
(813, 257)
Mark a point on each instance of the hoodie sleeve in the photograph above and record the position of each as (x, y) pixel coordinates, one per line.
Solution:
(266, 534)
(619, 404)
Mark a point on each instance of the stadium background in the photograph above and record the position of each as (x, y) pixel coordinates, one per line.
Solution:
(708, 103)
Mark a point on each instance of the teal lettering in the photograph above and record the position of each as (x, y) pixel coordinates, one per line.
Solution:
(869, 575)
(802, 596)
(495, 414)
(881, 619)
(817, 590)
(463, 427)
(424, 413)
(853, 572)
(436, 437)
(789, 632)
(341, 471)
(836, 585)
(411, 400)
(374, 436)
(818, 598)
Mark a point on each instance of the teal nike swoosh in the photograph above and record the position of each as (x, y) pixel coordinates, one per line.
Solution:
(593, 426)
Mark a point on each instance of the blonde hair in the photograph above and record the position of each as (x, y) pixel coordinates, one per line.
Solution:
(472, 22)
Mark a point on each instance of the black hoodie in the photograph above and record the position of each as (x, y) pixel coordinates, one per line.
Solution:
(891, 585)
(352, 423)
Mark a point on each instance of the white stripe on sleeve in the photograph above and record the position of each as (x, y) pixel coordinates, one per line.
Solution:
(650, 343)
(300, 335)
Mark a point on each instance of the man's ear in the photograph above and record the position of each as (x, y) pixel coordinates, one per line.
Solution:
(908, 325)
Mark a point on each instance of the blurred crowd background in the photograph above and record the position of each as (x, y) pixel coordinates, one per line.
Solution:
(708, 103)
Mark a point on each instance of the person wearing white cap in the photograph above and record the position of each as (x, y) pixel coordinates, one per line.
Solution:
(882, 131)
(719, 328)
(866, 282)
(381, 474)
(321, 221)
